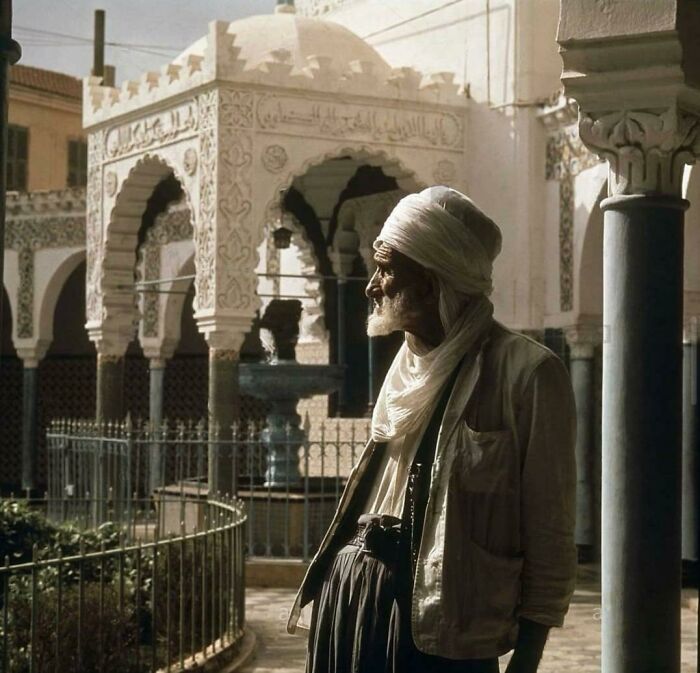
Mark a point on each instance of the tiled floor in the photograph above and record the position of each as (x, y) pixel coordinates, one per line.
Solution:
(575, 647)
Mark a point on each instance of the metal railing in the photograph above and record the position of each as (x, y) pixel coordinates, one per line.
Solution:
(162, 603)
(99, 472)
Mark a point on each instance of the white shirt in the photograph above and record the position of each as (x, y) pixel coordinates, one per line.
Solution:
(388, 491)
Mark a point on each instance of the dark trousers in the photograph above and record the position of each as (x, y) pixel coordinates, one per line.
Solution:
(361, 617)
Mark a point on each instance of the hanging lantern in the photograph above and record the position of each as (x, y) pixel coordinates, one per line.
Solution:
(282, 237)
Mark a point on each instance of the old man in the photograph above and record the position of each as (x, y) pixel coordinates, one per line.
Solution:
(453, 541)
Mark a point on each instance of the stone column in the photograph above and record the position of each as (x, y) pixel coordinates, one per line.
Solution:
(691, 445)
(342, 257)
(582, 340)
(642, 400)
(31, 357)
(634, 75)
(29, 426)
(109, 404)
(156, 377)
(224, 408)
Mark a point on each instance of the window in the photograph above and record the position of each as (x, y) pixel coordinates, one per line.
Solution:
(17, 152)
(77, 163)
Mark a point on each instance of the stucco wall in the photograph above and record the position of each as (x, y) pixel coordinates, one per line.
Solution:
(52, 122)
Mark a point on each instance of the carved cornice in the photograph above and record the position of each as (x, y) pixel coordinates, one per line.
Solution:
(217, 57)
(646, 150)
(45, 203)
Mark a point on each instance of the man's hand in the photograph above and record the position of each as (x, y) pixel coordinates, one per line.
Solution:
(528, 650)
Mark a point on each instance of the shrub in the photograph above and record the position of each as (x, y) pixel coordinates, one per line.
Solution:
(109, 632)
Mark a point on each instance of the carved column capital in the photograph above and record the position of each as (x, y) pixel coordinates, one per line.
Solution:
(691, 329)
(646, 150)
(159, 350)
(582, 340)
(109, 346)
(224, 333)
(31, 352)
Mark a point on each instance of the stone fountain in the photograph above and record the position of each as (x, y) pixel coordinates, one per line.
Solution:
(282, 382)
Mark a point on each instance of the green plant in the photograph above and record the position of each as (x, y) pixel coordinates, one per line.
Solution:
(103, 635)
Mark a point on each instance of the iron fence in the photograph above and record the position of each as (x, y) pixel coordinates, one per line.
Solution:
(120, 472)
(162, 604)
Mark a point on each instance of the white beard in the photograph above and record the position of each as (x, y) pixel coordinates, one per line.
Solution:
(386, 317)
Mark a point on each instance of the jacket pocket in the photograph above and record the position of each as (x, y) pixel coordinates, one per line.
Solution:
(485, 462)
(494, 591)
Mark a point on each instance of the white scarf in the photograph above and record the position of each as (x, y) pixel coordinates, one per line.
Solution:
(413, 382)
(426, 232)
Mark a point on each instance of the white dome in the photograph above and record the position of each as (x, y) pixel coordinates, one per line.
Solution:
(258, 37)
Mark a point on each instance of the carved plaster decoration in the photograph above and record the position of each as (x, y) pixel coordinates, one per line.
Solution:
(646, 150)
(204, 236)
(236, 108)
(51, 231)
(25, 294)
(566, 157)
(189, 161)
(236, 245)
(152, 131)
(274, 158)
(28, 230)
(169, 227)
(356, 121)
(94, 252)
(224, 240)
(111, 183)
(445, 172)
(150, 263)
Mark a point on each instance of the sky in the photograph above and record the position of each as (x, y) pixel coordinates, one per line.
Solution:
(159, 28)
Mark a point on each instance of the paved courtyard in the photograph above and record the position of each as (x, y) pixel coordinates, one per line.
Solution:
(575, 647)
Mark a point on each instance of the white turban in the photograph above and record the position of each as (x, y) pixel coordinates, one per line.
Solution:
(443, 231)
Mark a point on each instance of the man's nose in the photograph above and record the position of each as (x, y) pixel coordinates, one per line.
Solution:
(373, 286)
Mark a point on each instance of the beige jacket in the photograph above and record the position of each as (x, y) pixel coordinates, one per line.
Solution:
(498, 538)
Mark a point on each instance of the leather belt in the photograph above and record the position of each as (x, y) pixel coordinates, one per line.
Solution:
(378, 535)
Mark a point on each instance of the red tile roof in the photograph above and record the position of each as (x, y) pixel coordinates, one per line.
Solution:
(46, 80)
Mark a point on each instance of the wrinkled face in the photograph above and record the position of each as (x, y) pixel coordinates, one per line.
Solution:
(401, 291)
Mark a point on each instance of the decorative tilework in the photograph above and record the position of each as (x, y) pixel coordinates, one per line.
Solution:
(566, 157)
